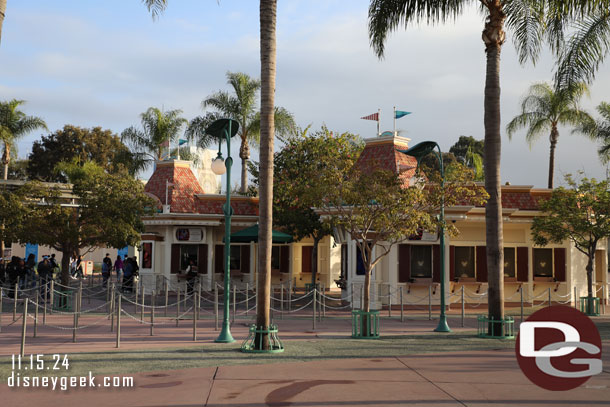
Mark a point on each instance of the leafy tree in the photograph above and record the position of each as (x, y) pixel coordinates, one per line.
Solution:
(14, 124)
(159, 130)
(543, 109)
(242, 107)
(580, 214)
(18, 169)
(599, 130)
(531, 22)
(296, 167)
(371, 204)
(77, 144)
(471, 153)
(109, 211)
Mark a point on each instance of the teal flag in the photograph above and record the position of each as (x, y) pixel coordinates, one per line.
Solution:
(182, 141)
(399, 113)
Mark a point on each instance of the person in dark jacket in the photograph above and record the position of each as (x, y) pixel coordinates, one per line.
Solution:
(13, 271)
(2, 272)
(191, 276)
(30, 273)
(45, 273)
(128, 274)
(106, 269)
(79, 267)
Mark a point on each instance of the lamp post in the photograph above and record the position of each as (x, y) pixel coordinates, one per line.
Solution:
(419, 151)
(224, 129)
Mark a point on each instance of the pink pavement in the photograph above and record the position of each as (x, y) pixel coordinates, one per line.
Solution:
(482, 378)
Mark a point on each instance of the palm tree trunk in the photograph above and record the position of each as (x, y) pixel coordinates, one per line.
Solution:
(6, 156)
(2, 14)
(268, 11)
(244, 154)
(494, 36)
(554, 137)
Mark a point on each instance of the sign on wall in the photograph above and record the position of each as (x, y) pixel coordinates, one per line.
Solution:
(189, 234)
(31, 248)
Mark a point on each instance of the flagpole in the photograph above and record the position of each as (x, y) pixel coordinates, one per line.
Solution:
(394, 121)
(378, 118)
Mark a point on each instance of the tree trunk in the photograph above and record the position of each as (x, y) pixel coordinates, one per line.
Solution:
(268, 10)
(590, 269)
(244, 154)
(65, 265)
(493, 37)
(2, 14)
(6, 155)
(553, 138)
(314, 261)
(366, 301)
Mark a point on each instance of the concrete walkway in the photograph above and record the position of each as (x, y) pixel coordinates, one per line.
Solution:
(483, 378)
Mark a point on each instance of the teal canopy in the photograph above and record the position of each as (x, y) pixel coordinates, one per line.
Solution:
(251, 235)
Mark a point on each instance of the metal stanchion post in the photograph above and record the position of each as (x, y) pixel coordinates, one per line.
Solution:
(290, 297)
(15, 302)
(143, 301)
(429, 303)
(36, 315)
(549, 290)
(281, 301)
(198, 299)
(52, 294)
(234, 301)
(402, 306)
(195, 316)
(24, 325)
(389, 300)
(216, 308)
(247, 298)
(118, 321)
(178, 292)
(323, 301)
(152, 312)
(74, 329)
(137, 295)
(463, 307)
(111, 310)
(80, 300)
(166, 296)
(44, 310)
(313, 292)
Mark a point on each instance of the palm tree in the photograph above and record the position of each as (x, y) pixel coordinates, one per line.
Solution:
(159, 130)
(599, 130)
(15, 124)
(242, 107)
(268, 17)
(2, 14)
(583, 53)
(531, 21)
(543, 109)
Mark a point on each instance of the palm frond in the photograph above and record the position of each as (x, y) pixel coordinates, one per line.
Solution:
(196, 129)
(526, 19)
(155, 7)
(585, 50)
(386, 16)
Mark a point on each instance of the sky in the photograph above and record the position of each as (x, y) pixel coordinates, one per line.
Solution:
(102, 63)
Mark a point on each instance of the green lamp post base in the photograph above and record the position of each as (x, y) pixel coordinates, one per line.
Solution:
(442, 325)
(225, 335)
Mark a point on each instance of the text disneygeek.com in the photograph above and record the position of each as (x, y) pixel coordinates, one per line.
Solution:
(21, 366)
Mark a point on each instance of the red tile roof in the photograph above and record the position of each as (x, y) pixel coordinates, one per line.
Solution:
(383, 153)
(181, 195)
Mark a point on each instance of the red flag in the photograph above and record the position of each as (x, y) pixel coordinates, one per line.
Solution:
(374, 116)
